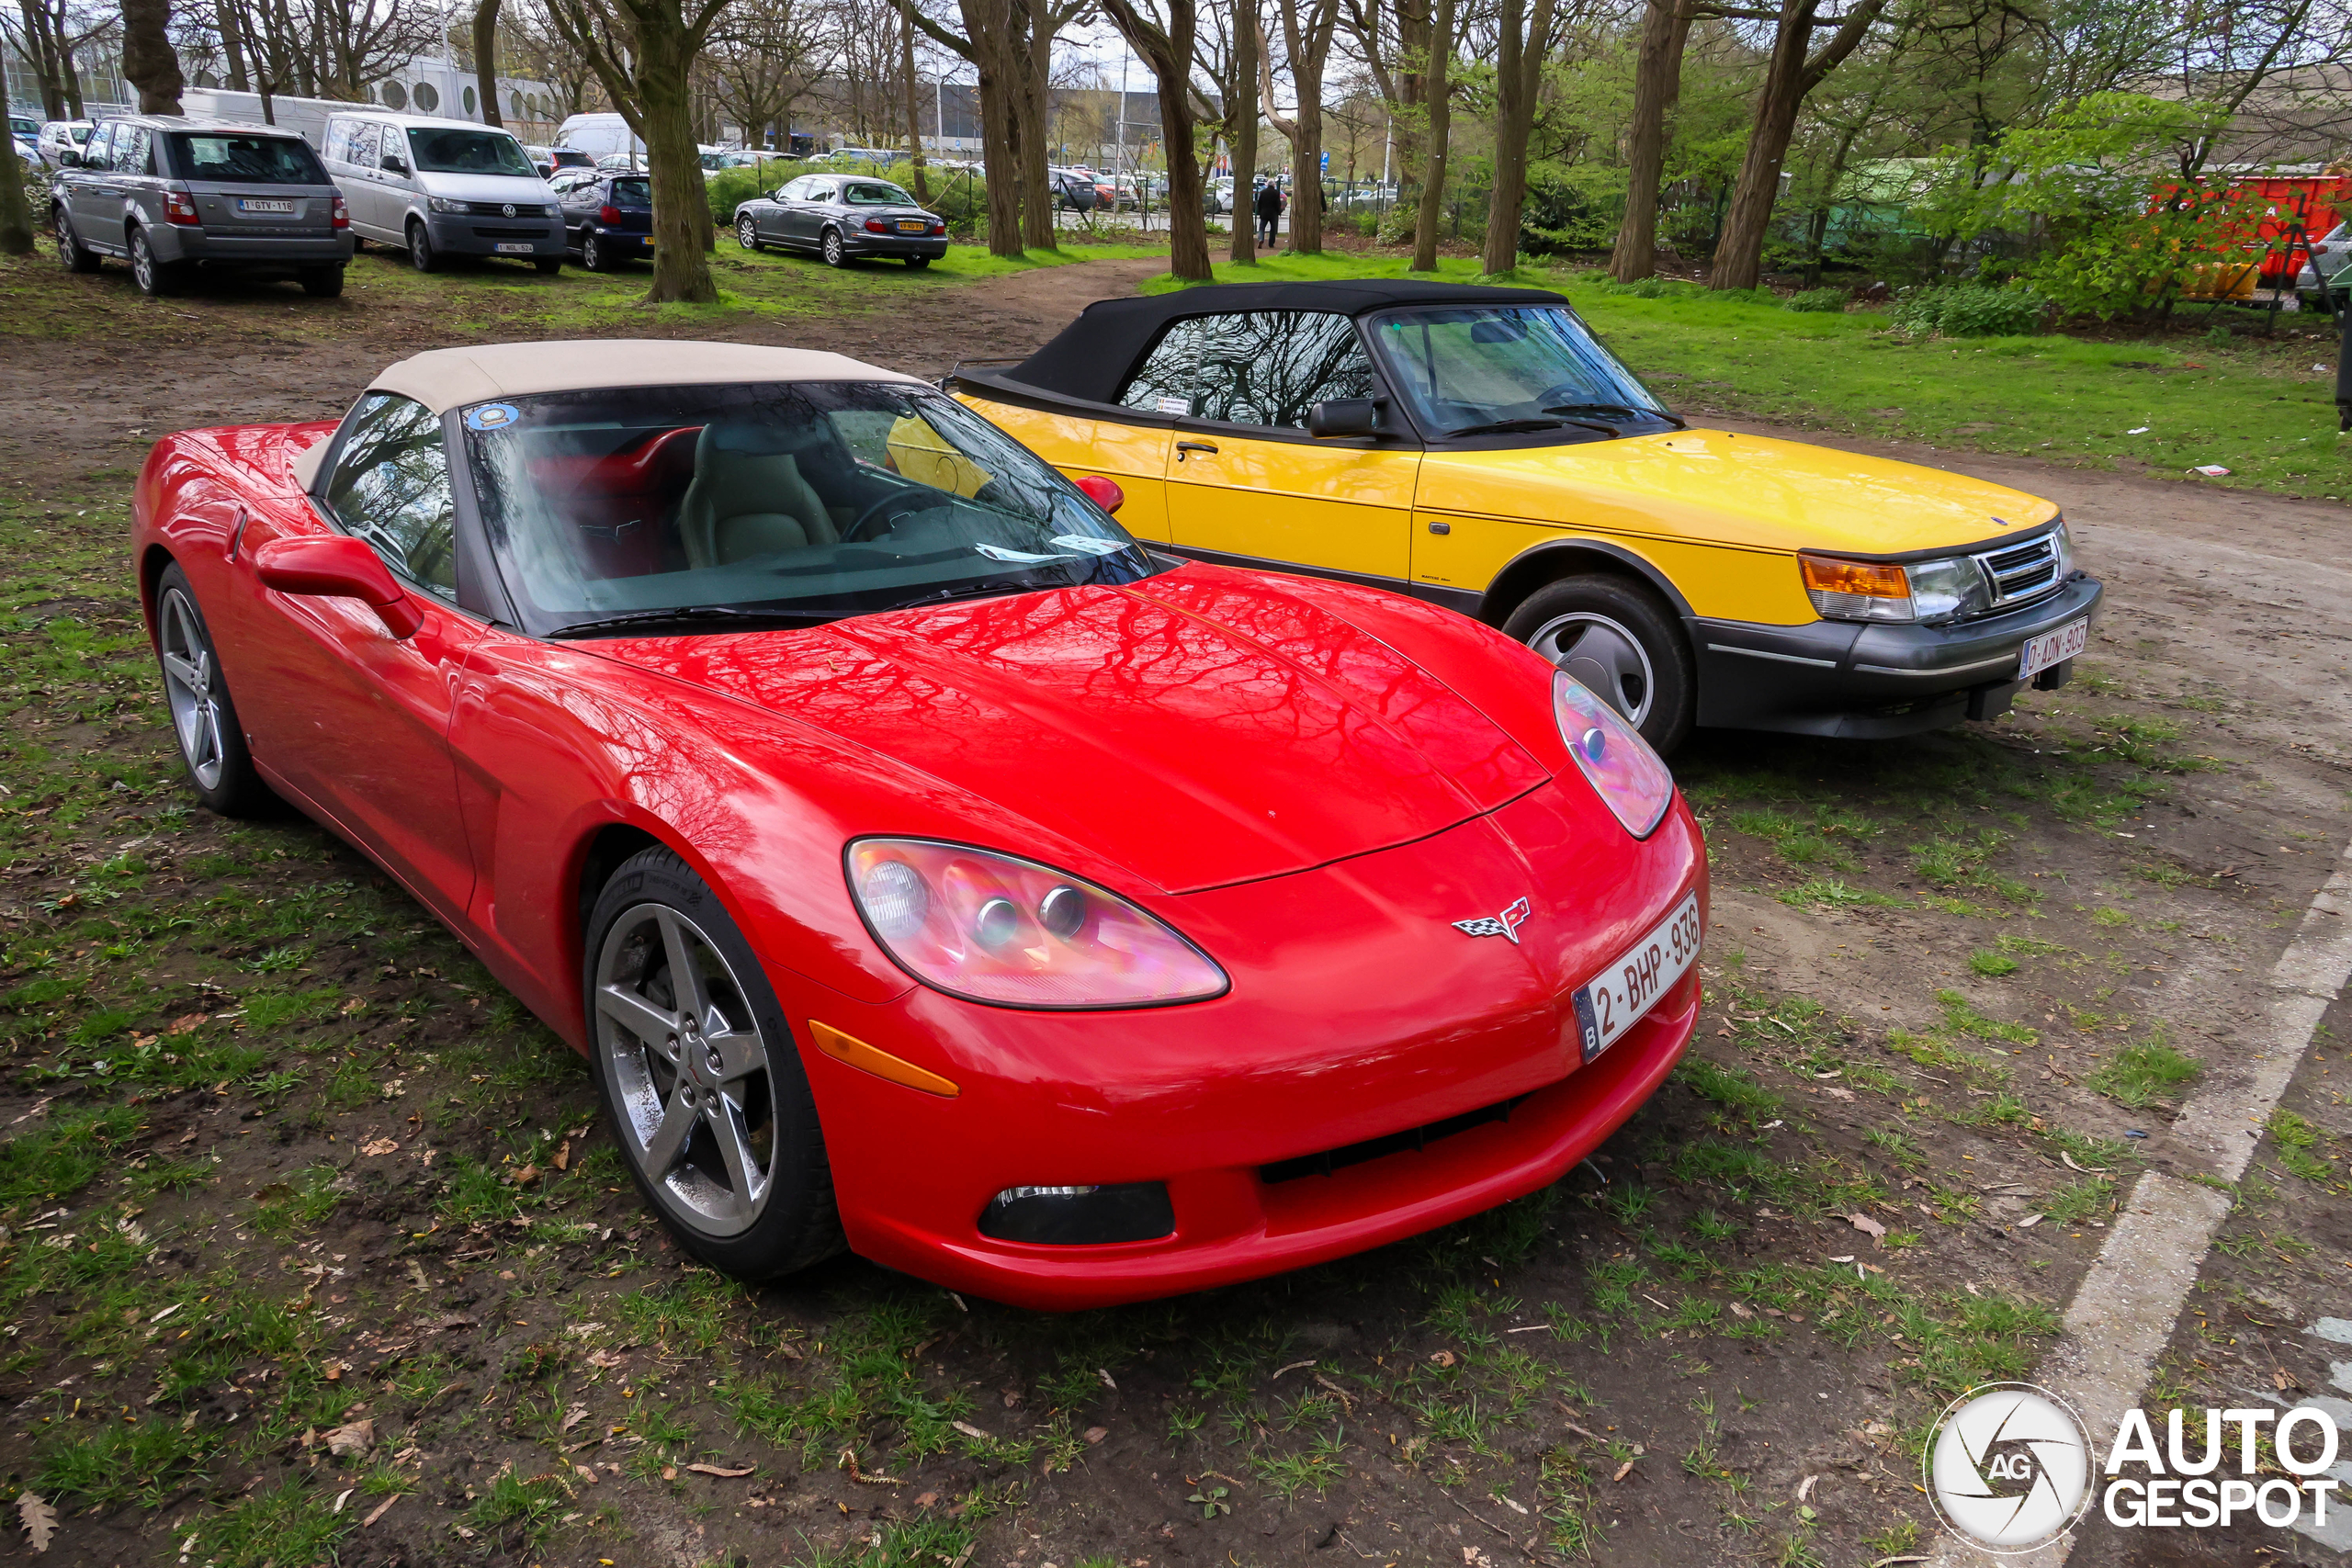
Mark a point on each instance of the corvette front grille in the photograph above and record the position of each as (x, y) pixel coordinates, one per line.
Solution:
(1411, 1138)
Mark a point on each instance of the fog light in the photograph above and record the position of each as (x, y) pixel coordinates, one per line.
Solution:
(1079, 1216)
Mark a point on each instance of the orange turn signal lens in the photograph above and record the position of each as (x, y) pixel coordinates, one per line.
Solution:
(1872, 580)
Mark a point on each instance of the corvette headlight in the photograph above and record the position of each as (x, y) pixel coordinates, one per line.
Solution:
(444, 204)
(1619, 764)
(1880, 590)
(992, 928)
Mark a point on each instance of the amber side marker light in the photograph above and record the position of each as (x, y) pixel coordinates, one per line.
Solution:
(1868, 579)
(881, 1063)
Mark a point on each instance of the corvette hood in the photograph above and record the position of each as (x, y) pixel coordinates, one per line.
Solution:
(1199, 728)
(1784, 495)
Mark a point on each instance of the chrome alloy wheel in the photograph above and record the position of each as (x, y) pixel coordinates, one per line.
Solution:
(689, 1068)
(1603, 655)
(188, 687)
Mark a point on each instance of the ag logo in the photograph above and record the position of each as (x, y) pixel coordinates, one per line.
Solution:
(2008, 1467)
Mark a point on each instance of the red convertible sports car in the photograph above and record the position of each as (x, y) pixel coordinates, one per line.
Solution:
(924, 865)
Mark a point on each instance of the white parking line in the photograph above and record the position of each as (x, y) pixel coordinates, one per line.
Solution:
(2123, 1316)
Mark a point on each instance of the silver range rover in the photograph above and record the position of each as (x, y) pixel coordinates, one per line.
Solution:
(172, 196)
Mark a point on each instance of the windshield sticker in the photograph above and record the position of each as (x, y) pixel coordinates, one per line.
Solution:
(491, 416)
(1088, 545)
(998, 552)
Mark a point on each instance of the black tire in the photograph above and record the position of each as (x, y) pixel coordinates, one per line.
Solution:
(323, 282)
(157, 279)
(652, 898)
(592, 255)
(72, 254)
(916, 263)
(421, 254)
(747, 232)
(358, 245)
(204, 719)
(548, 266)
(833, 248)
(1621, 639)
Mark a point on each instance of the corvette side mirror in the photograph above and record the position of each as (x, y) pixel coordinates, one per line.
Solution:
(1344, 416)
(336, 566)
(1104, 492)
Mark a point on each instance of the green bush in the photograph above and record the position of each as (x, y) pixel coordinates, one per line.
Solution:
(1969, 309)
(729, 188)
(1818, 299)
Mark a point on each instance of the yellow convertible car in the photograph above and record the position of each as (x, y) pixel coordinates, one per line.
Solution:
(1479, 449)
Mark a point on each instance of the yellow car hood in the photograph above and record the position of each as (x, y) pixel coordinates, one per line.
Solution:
(1748, 491)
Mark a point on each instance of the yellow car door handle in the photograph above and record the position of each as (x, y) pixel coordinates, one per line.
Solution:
(1184, 447)
(1440, 527)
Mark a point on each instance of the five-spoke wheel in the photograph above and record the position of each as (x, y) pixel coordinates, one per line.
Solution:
(709, 1101)
(204, 719)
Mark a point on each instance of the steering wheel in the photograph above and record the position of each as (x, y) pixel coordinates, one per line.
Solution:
(862, 518)
(1566, 392)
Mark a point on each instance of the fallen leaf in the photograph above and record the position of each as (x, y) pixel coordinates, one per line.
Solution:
(926, 1500)
(1623, 1471)
(1869, 1227)
(1096, 1434)
(1836, 1093)
(1105, 1376)
(183, 1024)
(606, 1359)
(971, 1431)
(1443, 1358)
(572, 1417)
(355, 1437)
(38, 1519)
(525, 1176)
(718, 1469)
(1805, 1488)
(377, 1147)
(341, 1498)
(1741, 1310)
(589, 1476)
(379, 1510)
(563, 1155)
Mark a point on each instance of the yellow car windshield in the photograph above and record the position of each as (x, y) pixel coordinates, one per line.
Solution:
(1465, 369)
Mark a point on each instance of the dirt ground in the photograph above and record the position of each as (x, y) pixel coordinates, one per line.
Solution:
(314, 1252)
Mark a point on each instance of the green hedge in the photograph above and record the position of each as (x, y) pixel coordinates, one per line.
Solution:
(1818, 299)
(1970, 309)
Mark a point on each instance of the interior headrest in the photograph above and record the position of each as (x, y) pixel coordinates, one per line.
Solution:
(764, 440)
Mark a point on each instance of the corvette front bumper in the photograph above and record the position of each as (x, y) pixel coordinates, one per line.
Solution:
(1357, 1011)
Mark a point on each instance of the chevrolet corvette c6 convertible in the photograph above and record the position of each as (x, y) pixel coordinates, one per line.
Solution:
(924, 865)
(1481, 449)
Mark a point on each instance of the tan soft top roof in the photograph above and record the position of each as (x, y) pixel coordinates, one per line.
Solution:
(446, 378)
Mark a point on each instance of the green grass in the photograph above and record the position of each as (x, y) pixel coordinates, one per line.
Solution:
(2144, 1074)
(2068, 400)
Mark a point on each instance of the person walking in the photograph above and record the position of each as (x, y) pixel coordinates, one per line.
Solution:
(1269, 207)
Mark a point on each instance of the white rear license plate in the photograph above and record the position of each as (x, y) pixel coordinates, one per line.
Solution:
(1620, 994)
(2054, 648)
(515, 250)
(245, 206)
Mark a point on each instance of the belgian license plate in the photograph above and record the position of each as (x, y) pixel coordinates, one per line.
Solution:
(519, 249)
(909, 226)
(1620, 994)
(246, 205)
(2054, 648)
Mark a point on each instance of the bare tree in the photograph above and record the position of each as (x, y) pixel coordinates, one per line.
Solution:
(1795, 69)
(16, 217)
(1522, 40)
(1657, 82)
(644, 53)
(1162, 32)
(1228, 49)
(541, 50)
(763, 56)
(53, 30)
(915, 106)
(149, 60)
(1308, 27)
(1440, 90)
(486, 59)
(988, 44)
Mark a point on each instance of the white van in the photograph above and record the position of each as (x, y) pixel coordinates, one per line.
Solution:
(599, 135)
(442, 187)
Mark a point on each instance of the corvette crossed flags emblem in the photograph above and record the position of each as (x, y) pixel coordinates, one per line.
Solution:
(1505, 924)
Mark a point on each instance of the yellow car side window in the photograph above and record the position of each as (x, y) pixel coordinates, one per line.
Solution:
(917, 451)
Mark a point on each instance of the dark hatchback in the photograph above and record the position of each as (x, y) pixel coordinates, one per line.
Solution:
(609, 220)
(842, 217)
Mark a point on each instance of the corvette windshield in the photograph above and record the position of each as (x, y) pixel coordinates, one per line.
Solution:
(795, 502)
(1471, 368)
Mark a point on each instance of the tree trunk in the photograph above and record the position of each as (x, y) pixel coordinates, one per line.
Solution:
(1440, 90)
(1525, 39)
(16, 217)
(680, 271)
(42, 52)
(1170, 54)
(1241, 130)
(1658, 83)
(1307, 41)
(914, 106)
(232, 43)
(149, 61)
(485, 60)
(1788, 77)
(1032, 45)
(999, 145)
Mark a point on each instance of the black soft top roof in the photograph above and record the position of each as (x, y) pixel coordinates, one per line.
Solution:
(1090, 357)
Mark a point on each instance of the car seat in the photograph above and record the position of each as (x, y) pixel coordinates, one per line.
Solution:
(748, 499)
